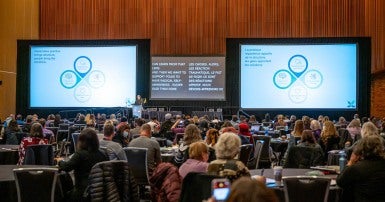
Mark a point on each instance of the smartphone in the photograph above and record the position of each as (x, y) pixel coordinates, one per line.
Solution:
(220, 189)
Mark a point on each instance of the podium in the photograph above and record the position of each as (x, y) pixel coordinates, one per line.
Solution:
(137, 111)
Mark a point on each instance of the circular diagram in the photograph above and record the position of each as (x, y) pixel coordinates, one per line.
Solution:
(96, 79)
(282, 79)
(313, 79)
(68, 79)
(82, 65)
(298, 65)
(82, 93)
(298, 94)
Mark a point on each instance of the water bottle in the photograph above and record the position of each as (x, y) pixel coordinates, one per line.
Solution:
(266, 131)
(342, 160)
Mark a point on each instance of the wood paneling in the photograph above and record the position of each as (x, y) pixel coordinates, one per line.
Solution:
(196, 27)
(18, 20)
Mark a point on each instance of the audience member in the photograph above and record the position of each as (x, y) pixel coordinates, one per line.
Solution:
(364, 175)
(226, 164)
(246, 189)
(153, 148)
(197, 162)
(48, 134)
(136, 130)
(329, 138)
(165, 127)
(35, 137)
(85, 157)
(212, 136)
(122, 135)
(10, 133)
(298, 128)
(114, 149)
(192, 134)
(315, 126)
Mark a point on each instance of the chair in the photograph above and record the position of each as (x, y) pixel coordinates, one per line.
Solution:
(137, 161)
(112, 181)
(75, 138)
(253, 163)
(63, 126)
(312, 188)
(244, 153)
(196, 187)
(303, 157)
(266, 153)
(35, 184)
(41, 154)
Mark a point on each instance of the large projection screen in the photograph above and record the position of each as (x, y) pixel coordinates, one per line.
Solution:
(322, 76)
(188, 78)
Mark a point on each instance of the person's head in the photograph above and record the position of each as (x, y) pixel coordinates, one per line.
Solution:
(88, 140)
(280, 118)
(168, 116)
(227, 146)
(82, 117)
(298, 128)
(212, 136)
(307, 136)
(42, 122)
(138, 97)
(199, 151)
(243, 128)
(370, 147)
(246, 189)
(355, 123)
(90, 123)
(139, 122)
(293, 118)
(234, 118)
(315, 125)
(122, 127)
(145, 130)
(191, 134)
(369, 129)
(13, 126)
(230, 129)
(108, 130)
(123, 120)
(36, 130)
(227, 124)
(342, 120)
(28, 119)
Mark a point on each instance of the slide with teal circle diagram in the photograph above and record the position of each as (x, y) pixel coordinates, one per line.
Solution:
(298, 77)
(82, 78)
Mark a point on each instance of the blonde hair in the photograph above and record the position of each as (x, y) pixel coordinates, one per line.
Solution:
(197, 149)
(298, 128)
(329, 130)
(315, 125)
(227, 146)
(369, 129)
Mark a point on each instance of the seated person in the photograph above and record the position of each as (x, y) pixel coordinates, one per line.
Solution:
(226, 150)
(85, 157)
(307, 140)
(35, 137)
(114, 149)
(145, 141)
(192, 134)
(247, 189)
(364, 176)
(122, 135)
(329, 138)
(197, 162)
(10, 133)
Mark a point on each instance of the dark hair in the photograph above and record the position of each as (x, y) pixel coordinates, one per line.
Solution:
(13, 126)
(246, 189)
(88, 140)
(36, 130)
(42, 122)
(307, 136)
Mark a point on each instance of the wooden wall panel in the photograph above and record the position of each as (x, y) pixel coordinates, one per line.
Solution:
(18, 20)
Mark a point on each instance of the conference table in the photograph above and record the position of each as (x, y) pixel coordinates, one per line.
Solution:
(335, 192)
(8, 190)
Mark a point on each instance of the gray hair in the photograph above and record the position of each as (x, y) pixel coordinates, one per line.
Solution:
(369, 128)
(227, 146)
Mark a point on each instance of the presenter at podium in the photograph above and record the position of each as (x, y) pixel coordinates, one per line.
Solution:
(139, 100)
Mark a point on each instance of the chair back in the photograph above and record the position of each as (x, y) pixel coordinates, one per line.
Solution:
(196, 187)
(265, 153)
(39, 154)
(244, 153)
(257, 154)
(312, 188)
(75, 138)
(63, 126)
(35, 184)
(137, 161)
(304, 157)
(116, 183)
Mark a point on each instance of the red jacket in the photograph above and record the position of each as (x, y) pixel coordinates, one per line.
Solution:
(166, 183)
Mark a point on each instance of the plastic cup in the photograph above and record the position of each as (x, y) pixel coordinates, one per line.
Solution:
(278, 175)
